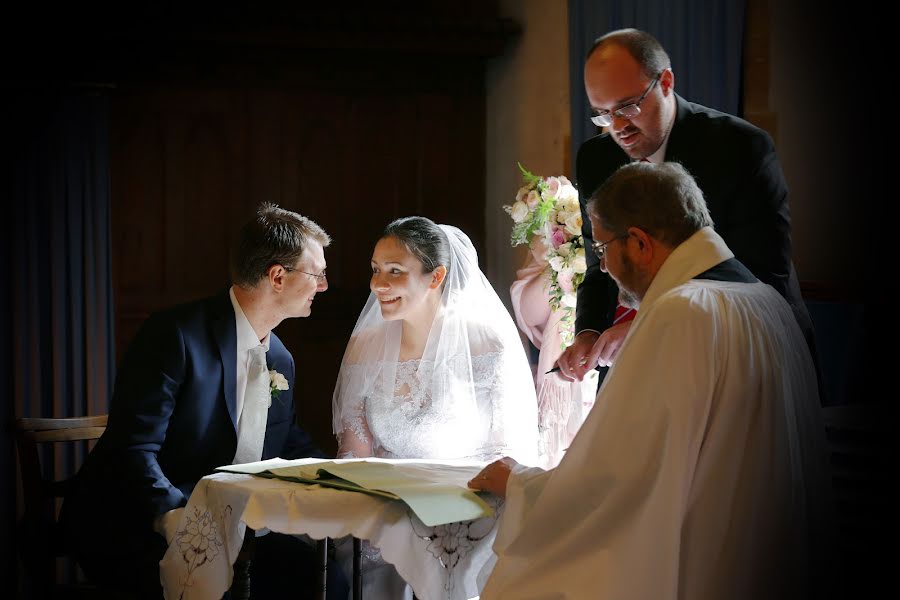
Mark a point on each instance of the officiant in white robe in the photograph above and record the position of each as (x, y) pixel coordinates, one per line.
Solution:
(700, 473)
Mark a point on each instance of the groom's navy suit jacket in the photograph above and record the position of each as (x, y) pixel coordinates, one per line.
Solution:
(171, 422)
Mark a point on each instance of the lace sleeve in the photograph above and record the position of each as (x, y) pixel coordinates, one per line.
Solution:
(505, 390)
(354, 437)
(355, 440)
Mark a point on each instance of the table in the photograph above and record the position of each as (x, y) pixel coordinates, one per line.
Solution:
(447, 562)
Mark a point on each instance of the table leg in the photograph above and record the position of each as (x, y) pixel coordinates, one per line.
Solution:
(322, 555)
(240, 584)
(357, 569)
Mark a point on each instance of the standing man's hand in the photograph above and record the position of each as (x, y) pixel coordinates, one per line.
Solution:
(493, 477)
(607, 346)
(591, 349)
(574, 361)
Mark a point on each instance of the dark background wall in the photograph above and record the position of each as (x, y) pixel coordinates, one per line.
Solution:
(357, 113)
(351, 117)
(353, 114)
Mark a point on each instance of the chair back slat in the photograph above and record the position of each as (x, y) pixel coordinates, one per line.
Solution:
(40, 542)
(41, 424)
(68, 435)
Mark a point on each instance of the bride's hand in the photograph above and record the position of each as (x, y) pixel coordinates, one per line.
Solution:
(493, 477)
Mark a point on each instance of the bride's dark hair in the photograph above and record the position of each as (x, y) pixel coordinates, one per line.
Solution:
(423, 238)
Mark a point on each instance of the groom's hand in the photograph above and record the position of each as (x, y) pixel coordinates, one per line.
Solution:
(493, 477)
(167, 523)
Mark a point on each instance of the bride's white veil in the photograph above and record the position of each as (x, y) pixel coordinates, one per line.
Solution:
(471, 321)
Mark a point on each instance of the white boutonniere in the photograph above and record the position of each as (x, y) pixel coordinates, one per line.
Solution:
(277, 383)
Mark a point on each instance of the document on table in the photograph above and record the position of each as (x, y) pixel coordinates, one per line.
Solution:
(435, 490)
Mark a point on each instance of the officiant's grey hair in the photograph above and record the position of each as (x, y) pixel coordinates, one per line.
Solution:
(661, 199)
(275, 237)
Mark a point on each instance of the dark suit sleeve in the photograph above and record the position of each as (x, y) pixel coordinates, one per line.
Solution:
(147, 386)
(758, 223)
(747, 197)
(736, 166)
(298, 443)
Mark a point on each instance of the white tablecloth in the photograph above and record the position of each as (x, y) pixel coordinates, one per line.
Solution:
(440, 563)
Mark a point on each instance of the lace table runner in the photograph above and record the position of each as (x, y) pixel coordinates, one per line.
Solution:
(440, 563)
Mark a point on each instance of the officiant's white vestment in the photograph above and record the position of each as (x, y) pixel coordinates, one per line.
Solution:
(695, 476)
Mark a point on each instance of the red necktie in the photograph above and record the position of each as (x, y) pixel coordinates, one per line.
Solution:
(623, 314)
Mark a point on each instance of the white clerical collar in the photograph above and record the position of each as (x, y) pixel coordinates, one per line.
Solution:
(700, 252)
(246, 336)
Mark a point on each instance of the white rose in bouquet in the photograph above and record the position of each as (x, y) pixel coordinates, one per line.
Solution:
(519, 212)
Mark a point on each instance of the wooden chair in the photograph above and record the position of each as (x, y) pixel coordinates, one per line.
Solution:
(39, 539)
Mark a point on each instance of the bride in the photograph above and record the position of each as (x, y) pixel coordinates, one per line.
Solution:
(434, 369)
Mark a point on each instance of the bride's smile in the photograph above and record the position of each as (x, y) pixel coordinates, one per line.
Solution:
(403, 289)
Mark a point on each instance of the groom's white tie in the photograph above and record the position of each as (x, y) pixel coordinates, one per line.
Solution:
(257, 398)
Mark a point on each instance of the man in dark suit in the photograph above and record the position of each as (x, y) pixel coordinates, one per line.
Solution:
(183, 405)
(631, 87)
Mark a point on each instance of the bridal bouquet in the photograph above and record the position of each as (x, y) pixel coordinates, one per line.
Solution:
(547, 217)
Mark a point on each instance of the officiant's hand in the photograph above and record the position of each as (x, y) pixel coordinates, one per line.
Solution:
(493, 477)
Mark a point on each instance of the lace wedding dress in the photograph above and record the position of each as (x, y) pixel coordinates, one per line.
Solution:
(409, 423)
(469, 396)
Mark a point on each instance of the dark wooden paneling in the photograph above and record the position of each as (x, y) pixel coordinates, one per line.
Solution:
(350, 138)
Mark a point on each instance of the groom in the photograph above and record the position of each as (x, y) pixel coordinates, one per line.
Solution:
(192, 393)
